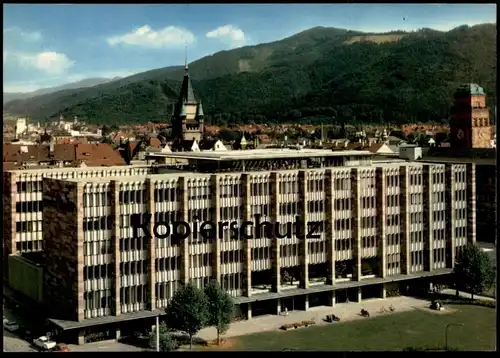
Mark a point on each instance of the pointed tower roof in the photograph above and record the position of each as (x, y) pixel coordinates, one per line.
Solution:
(187, 93)
(199, 110)
(183, 111)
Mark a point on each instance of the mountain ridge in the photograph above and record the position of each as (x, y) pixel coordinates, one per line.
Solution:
(316, 68)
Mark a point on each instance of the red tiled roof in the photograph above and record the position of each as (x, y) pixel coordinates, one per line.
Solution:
(91, 154)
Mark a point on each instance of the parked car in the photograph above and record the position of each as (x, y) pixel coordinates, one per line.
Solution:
(10, 326)
(44, 343)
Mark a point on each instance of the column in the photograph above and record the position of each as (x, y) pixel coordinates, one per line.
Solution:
(471, 203)
(150, 202)
(118, 334)
(450, 221)
(303, 244)
(79, 252)
(215, 217)
(275, 245)
(247, 244)
(9, 218)
(333, 299)
(428, 217)
(278, 306)
(329, 230)
(249, 311)
(359, 297)
(306, 302)
(183, 216)
(81, 337)
(405, 228)
(381, 207)
(356, 224)
(383, 293)
(114, 188)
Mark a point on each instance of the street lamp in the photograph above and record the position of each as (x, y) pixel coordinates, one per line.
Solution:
(157, 333)
(446, 332)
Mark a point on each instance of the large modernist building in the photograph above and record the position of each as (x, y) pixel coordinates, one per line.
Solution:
(382, 224)
(23, 202)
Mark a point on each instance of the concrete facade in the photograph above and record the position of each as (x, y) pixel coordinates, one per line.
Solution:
(404, 220)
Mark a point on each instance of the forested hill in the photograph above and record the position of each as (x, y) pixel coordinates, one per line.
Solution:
(322, 74)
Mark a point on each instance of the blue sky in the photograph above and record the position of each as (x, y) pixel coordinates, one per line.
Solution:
(49, 45)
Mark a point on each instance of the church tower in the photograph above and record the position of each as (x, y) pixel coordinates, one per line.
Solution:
(470, 125)
(187, 118)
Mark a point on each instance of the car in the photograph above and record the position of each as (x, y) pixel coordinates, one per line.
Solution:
(44, 343)
(10, 326)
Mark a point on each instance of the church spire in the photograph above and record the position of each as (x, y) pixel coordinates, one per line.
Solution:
(185, 58)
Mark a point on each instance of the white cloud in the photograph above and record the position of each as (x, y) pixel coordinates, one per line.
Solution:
(145, 36)
(24, 35)
(51, 62)
(230, 33)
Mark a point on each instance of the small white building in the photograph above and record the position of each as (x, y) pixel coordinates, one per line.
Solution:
(410, 152)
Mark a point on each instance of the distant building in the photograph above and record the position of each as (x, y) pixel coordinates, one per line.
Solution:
(21, 127)
(470, 125)
(410, 152)
(187, 118)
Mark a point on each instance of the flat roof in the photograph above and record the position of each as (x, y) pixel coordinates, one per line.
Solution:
(192, 174)
(459, 160)
(43, 169)
(274, 153)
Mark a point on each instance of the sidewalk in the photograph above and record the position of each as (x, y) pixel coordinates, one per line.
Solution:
(452, 292)
(346, 312)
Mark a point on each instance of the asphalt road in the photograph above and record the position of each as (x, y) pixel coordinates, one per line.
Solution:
(11, 341)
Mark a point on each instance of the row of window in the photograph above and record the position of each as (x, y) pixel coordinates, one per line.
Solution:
(98, 299)
(461, 231)
(257, 189)
(438, 178)
(368, 241)
(132, 196)
(342, 204)
(98, 223)
(369, 222)
(167, 194)
(393, 239)
(232, 281)
(438, 234)
(461, 195)
(134, 243)
(439, 215)
(199, 214)
(134, 268)
(29, 206)
(134, 294)
(417, 218)
(316, 247)
(368, 202)
(315, 186)
(416, 199)
(316, 206)
(202, 260)
(416, 236)
(199, 193)
(438, 197)
(393, 200)
(102, 247)
(415, 179)
(289, 250)
(417, 258)
(98, 271)
(392, 181)
(261, 209)
(288, 187)
(232, 190)
(344, 244)
(393, 220)
(97, 199)
(231, 213)
(288, 208)
(460, 176)
(168, 264)
(29, 226)
(29, 186)
(27, 246)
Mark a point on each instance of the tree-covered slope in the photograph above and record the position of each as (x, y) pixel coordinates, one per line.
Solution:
(328, 73)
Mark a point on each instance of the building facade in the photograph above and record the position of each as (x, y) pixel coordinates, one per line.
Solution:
(470, 125)
(23, 202)
(380, 224)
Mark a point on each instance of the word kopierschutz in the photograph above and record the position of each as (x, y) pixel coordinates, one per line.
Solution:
(181, 230)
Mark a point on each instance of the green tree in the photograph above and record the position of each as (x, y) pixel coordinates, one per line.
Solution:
(473, 272)
(220, 308)
(188, 311)
(167, 342)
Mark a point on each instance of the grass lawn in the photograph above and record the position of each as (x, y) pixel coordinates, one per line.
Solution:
(392, 332)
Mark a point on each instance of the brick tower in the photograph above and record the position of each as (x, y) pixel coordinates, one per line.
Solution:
(470, 125)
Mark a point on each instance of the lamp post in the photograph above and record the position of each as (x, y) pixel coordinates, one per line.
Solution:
(446, 332)
(157, 333)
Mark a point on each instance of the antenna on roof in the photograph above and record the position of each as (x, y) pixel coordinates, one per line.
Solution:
(185, 57)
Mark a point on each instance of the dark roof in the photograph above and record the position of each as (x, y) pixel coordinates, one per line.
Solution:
(91, 154)
(187, 93)
(207, 144)
(187, 144)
